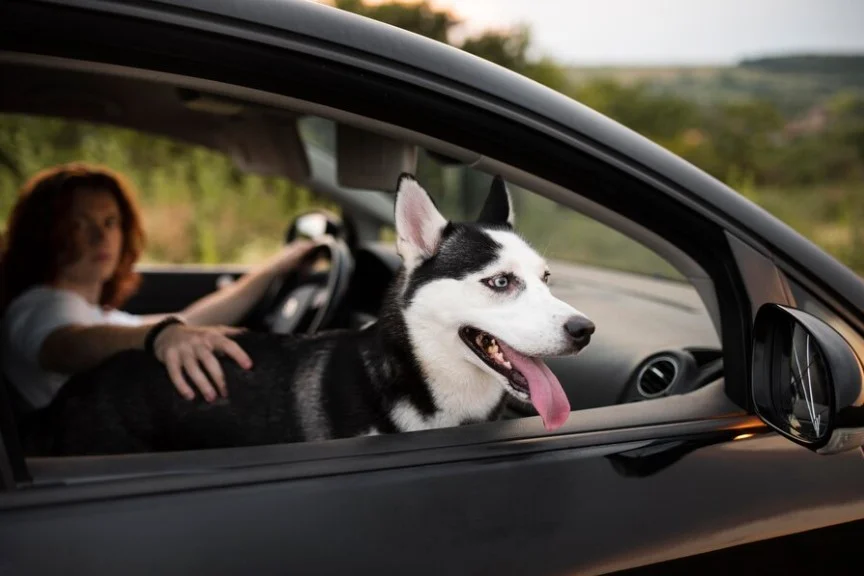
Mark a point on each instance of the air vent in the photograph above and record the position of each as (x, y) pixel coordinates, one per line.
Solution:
(657, 376)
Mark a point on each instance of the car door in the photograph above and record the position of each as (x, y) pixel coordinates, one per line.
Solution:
(599, 496)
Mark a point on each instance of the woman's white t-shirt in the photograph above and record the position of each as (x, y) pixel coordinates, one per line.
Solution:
(29, 319)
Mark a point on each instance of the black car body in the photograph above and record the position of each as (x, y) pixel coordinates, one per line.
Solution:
(692, 482)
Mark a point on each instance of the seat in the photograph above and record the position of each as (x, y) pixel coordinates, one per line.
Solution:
(14, 411)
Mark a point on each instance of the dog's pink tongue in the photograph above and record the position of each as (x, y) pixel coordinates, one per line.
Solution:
(547, 395)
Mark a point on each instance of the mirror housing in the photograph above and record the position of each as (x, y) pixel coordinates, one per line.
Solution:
(807, 381)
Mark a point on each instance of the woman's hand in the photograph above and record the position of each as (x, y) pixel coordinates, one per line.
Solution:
(229, 305)
(192, 349)
(289, 257)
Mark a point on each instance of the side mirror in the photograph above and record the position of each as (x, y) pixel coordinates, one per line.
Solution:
(808, 383)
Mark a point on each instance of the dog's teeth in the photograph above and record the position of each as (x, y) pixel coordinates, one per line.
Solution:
(508, 365)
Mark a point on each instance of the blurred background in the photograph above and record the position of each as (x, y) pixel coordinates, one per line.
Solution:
(767, 96)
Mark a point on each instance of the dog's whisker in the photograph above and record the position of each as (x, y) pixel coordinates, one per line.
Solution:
(548, 243)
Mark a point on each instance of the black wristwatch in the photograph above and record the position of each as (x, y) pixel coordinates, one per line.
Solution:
(157, 329)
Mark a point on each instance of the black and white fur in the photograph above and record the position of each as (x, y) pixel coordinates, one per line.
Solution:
(409, 371)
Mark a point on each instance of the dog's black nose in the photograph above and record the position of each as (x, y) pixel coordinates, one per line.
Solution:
(580, 329)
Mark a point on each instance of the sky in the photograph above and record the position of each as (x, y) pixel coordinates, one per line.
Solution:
(682, 32)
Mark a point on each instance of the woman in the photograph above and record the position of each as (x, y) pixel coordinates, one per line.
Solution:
(73, 238)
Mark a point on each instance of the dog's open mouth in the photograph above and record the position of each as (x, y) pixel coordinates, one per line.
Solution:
(486, 347)
(529, 378)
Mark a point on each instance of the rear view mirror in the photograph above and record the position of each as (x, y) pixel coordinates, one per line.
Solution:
(314, 225)
(808, 383)
(370, 161)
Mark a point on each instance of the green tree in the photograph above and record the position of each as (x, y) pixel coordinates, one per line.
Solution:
(846, 122)
(657, 116)
(743, 139)
(510, 49)
(420, 18)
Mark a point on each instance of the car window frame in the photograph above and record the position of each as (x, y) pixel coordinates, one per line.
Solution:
(173, 53)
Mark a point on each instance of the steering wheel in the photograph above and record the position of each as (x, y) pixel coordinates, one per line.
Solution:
(306, 299)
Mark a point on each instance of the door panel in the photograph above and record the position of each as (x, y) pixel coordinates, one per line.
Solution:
(574, 511)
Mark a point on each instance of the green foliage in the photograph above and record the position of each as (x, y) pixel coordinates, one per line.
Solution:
(829, 65)
(419, 17)
(793, 88)
(846, 112)
(510, 49)
(656, 116)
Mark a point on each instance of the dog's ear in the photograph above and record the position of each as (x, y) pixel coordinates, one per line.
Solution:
(498, 208)
(418, 222)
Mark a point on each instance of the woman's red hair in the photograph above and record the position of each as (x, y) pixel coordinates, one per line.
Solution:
(37, 234)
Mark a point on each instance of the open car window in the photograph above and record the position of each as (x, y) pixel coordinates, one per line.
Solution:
(655, 356)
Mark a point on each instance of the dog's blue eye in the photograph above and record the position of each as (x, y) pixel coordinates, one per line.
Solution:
(501, 282)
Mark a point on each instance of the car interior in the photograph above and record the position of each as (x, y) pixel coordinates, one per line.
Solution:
(670, 367)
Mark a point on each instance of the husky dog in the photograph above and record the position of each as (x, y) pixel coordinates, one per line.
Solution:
(464, 325)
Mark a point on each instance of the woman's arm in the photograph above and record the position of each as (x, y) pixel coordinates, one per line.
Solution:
(180, 348)
(75, 348)
(230, 304)
(184, 349)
